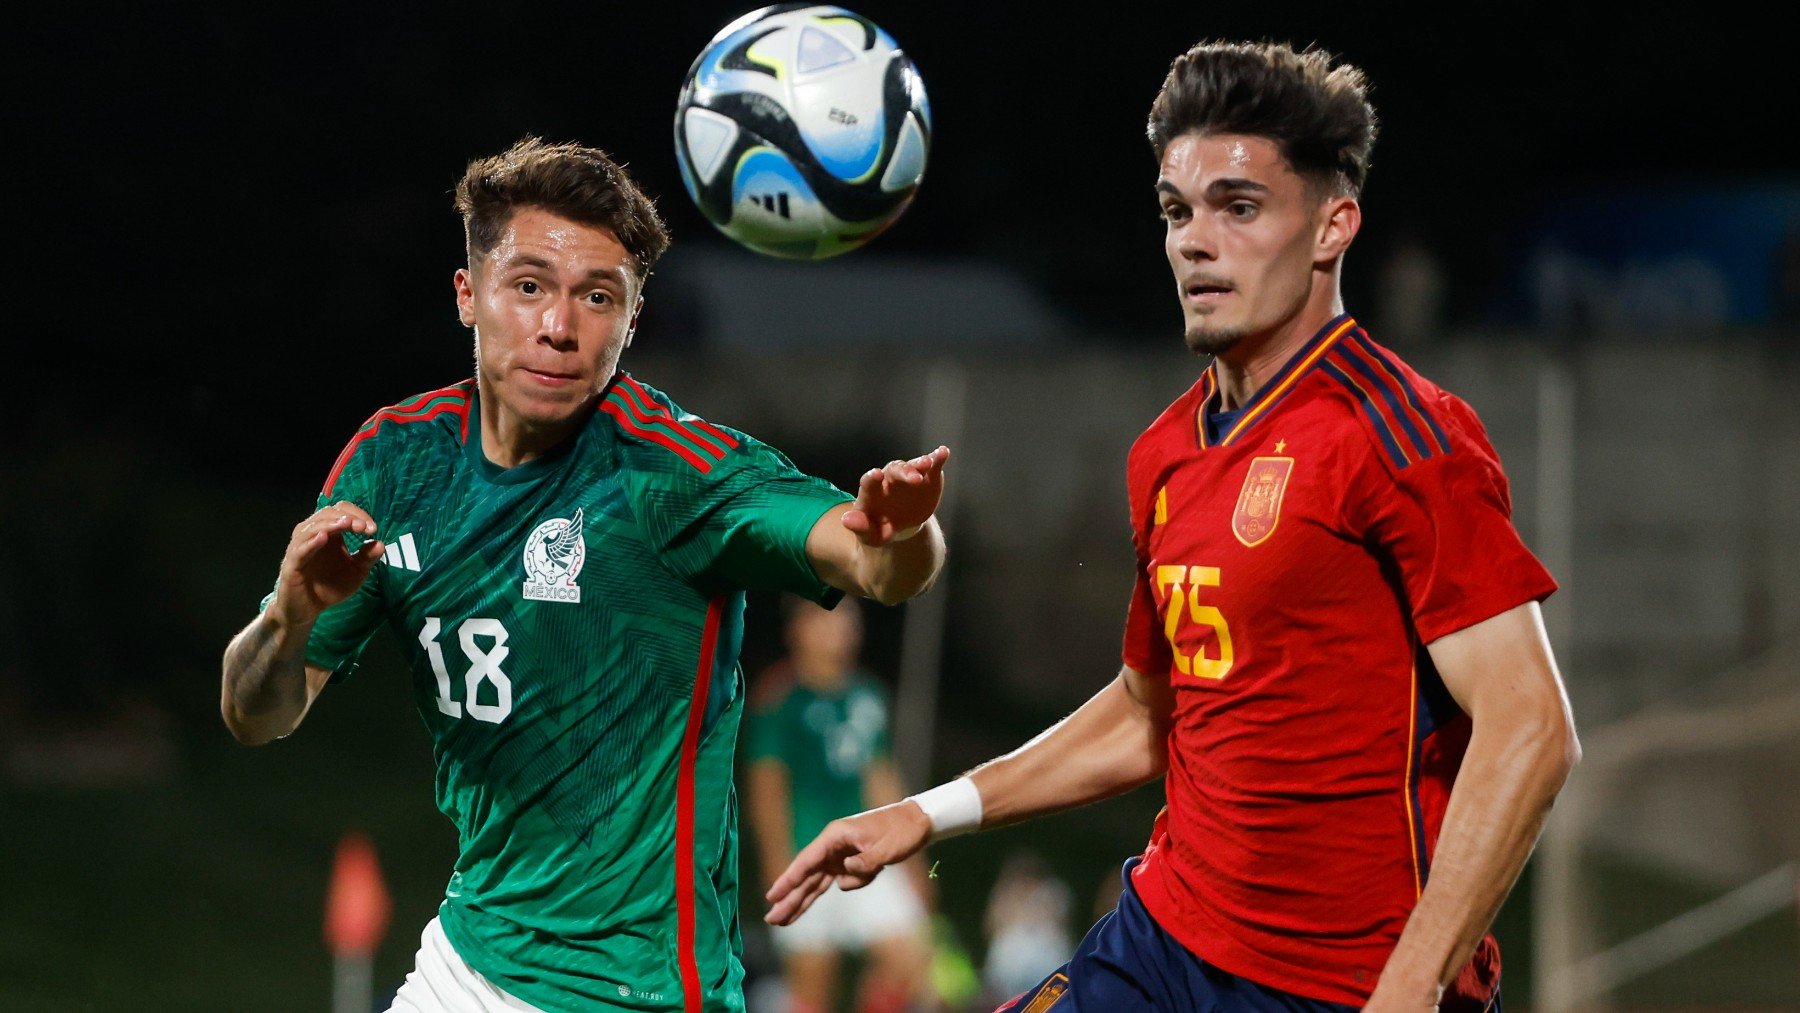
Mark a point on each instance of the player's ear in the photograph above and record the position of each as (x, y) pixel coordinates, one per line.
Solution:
(465, 296)
(631, 328)
(1340, 218)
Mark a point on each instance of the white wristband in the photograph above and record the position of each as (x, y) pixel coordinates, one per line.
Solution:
(953, 808)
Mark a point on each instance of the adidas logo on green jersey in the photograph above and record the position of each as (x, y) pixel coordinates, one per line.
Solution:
(402, 554)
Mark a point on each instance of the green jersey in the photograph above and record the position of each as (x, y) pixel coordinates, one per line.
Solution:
(573, 627)
(826, 740)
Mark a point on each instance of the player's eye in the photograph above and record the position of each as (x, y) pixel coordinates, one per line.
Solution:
(598, 298)
(528, 287)
(1174, 212)
(1242, 210)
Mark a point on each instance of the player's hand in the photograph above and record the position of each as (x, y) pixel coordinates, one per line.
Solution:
(897, 499)
(848, 852)
(316, 571)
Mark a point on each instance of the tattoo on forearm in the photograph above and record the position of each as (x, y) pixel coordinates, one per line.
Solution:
(261, 680)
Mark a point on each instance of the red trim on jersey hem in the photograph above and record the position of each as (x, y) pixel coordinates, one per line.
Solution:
(680, 449)
(684, 814)
(458, 402)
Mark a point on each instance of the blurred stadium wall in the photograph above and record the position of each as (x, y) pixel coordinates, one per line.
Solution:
(1657, 477)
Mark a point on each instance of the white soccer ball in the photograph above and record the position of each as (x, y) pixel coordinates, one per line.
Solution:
(802, 131)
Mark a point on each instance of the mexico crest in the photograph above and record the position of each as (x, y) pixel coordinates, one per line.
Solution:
(1259, 504)
(553, 557)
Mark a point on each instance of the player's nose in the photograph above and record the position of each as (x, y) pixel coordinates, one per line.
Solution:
(1195, 242)
(557, 324)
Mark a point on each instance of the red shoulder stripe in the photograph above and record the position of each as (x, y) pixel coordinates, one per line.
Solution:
(678, 432)
(612, 407)
(457, 402)
(715, 430)
(647, 405)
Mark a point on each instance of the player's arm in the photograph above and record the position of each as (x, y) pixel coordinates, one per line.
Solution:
(882, 786)
(1520, 751)
(267, 686)
(1111, 744)
(887, 544)
(771, 814)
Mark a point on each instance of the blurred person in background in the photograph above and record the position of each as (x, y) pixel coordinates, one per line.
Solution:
(564, 553)
(1334, 654)
(1027, 926)
(819, 749)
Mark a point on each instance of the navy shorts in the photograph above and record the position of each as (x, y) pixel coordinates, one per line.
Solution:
(1128, 963)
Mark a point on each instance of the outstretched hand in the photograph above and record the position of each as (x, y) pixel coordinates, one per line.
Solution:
(897, 499)
(848, 852)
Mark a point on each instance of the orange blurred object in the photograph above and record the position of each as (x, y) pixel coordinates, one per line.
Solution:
(357, 908)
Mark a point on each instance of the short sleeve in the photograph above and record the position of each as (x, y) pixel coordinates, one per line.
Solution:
(744, 521)
(1446, 524)
(343, 630)
(1146, 647)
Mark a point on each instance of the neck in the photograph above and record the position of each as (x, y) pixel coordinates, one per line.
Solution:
(509, 441)
(1244, 368)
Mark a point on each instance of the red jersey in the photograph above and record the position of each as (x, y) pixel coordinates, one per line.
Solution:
(1291, 569)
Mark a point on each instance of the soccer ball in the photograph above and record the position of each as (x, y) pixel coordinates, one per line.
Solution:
(802, 131)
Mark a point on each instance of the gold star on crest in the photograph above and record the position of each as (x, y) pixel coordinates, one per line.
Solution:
(1280, 445)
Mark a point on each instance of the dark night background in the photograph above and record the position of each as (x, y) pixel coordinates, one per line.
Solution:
(246, 211)
(233, 241)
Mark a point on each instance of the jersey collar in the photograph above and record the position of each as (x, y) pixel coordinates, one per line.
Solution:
(1273, 391)
(530, 471)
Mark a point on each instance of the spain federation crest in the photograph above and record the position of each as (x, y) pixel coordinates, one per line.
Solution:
(553, 557)
(1259, 504)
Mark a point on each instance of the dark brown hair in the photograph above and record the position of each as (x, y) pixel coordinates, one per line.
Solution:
(578, 183)
(1317, 114)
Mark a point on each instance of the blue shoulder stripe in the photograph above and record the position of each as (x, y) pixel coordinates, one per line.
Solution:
(1382, 429)
(1381, 383)
(1412, 396)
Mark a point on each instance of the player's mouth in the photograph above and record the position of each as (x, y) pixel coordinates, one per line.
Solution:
(552, 378)
(1207, 293)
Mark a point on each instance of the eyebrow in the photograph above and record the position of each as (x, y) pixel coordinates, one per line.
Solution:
(1216, 188)
(613, 274)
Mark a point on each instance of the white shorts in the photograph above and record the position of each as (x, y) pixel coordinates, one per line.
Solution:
(841, 920)
(441, 982)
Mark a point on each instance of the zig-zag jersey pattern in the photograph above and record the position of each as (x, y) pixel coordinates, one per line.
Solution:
(1295, 556)
(580, 684)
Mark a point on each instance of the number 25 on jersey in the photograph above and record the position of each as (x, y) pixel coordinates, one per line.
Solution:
(1183, 586)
